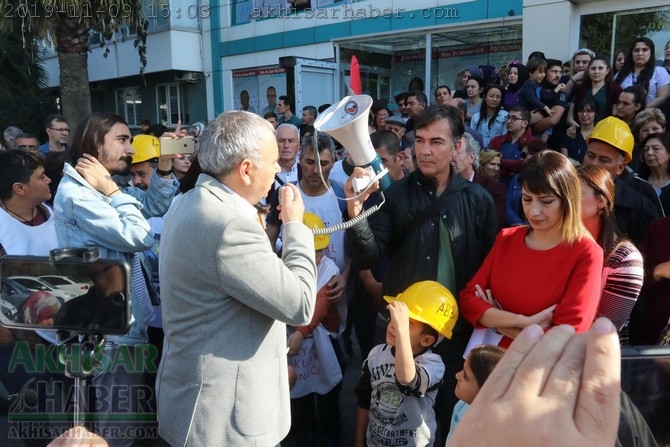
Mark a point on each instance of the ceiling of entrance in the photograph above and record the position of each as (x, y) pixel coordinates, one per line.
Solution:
(440, 39)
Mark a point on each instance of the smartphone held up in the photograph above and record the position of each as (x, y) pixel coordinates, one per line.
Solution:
(173, 146)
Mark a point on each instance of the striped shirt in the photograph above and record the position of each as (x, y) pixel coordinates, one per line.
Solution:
(623, 274)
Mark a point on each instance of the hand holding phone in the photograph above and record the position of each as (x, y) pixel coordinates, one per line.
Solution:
(172, 146)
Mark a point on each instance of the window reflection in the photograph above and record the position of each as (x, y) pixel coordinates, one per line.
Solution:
(389, 64)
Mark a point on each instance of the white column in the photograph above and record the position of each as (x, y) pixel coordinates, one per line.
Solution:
(550, 26)
(429, 60)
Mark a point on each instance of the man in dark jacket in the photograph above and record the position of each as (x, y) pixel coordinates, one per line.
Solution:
(435, 225)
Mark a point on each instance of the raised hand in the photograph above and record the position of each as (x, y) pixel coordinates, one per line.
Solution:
(552, 389)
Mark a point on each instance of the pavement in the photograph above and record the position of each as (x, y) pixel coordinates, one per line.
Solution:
(348, 405)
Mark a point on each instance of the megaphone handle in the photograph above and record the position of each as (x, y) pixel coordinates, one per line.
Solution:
(360, 184)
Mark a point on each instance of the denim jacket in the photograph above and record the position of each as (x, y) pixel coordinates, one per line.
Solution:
(498, 128)
(157, 198)
(85, 217)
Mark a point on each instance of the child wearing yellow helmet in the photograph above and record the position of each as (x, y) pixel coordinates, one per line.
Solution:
(311, 353)
(324, 312)
(400, 378)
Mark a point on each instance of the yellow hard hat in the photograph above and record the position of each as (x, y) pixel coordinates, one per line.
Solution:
(147, 148)
(614, 132)
(431, 303)
(313, 221)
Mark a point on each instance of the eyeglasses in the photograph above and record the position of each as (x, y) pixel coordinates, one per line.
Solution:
(514, 118)
(64, 129)
(27, 147)
(586, 112)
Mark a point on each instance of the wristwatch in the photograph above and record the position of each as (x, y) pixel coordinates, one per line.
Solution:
(163, 173)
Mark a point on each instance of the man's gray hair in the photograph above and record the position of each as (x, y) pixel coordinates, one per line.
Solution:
(229, 139)
(290, 126)
(471, 147)
(10, 135)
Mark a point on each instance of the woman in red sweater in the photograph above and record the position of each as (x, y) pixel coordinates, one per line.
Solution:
(547, 272)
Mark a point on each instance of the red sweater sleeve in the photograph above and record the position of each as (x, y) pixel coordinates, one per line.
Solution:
(580, 301)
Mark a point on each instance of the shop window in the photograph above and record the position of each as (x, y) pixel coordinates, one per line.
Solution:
(157, 13)
(389, 64)
(129, 105)
(242, 10)
(172, 105)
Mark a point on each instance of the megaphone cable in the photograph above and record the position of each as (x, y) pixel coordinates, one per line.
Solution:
(344, 225)
(351, 222)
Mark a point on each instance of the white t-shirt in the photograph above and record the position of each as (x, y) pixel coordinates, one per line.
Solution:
(337, 174)
(659, 79)
(18, 238)
(327, 207)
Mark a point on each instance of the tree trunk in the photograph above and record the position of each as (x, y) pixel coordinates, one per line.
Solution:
(75, 91)
(72, 44)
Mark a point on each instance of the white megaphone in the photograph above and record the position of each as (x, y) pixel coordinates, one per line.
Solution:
(347, 122)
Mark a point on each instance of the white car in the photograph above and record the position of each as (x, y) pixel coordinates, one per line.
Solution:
(35, 284)
(65, 283)
(9, 310)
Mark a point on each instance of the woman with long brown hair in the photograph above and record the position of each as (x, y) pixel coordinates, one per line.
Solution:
(597, 84)
(623, 270)
(640, 68)
(490, 120)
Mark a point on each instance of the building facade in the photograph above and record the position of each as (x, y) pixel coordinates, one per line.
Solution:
(172, 87)
(205, 56)
(398, 40)
(393, 40)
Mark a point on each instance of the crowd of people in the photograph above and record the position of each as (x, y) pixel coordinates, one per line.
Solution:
(524, 200)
